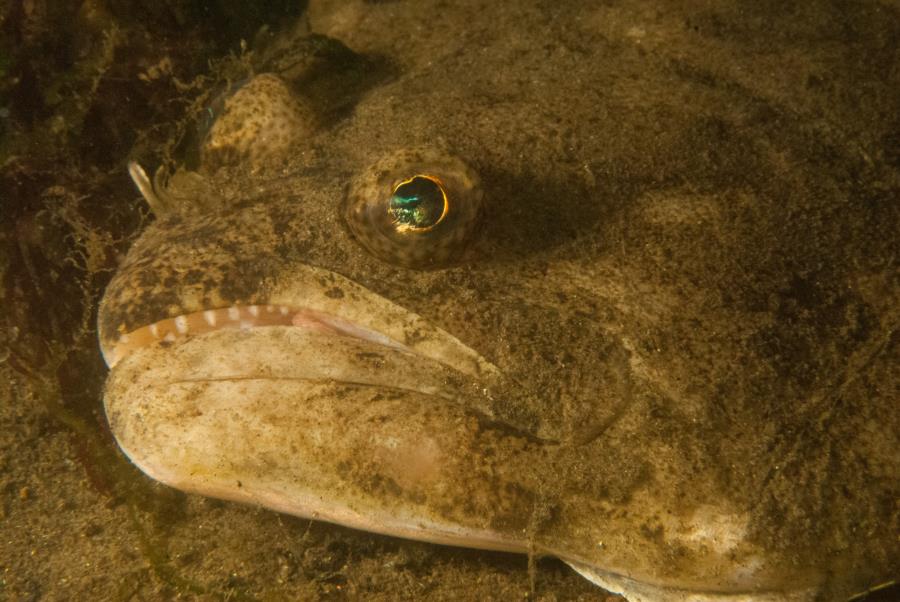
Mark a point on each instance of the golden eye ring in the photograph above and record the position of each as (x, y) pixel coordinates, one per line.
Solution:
(418, 204)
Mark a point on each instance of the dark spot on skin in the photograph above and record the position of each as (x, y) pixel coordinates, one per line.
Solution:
(376, 359)
(387, 396)
(379, 419)
(194, 276)
(485, 424)
(652, 533)
(414, 337)
(381, 485)
(416, 497)
(334, 293)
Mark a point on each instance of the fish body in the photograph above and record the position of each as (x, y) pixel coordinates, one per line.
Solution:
(666, 354)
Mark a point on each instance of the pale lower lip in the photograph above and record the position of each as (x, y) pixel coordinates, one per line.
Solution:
(181, 327)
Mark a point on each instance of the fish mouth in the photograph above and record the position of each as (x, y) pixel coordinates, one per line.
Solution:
(281, 343)
(243, 317)
(257, 403)
(339, 313)
(300, 344)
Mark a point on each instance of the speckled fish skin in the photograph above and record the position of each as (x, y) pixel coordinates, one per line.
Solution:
(669, 358)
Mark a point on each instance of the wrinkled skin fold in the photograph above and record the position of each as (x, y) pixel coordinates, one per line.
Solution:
(668, 357)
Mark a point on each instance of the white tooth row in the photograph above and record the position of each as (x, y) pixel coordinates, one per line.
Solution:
(236, 316)
(242, 316)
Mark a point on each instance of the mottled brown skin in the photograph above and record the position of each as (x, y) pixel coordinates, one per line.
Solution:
(686, 278)
(257, 125)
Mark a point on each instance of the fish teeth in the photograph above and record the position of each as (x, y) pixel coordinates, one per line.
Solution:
(245, 317)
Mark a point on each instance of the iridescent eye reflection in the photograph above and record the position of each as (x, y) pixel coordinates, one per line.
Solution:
(418, 204)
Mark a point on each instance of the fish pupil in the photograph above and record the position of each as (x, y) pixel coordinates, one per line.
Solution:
(418, 203)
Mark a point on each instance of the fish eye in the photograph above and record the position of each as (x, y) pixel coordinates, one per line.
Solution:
(417, 208)
(418, 204)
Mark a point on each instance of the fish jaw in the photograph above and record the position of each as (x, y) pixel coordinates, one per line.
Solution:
(312, 440)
